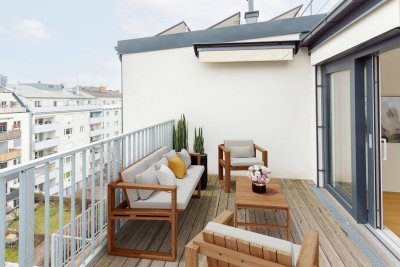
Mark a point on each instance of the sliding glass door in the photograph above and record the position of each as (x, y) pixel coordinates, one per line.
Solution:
(340, 133)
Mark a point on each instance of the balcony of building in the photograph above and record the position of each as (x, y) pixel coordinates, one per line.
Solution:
(44, 126)
(8, 109)
(49, 142)
(96, 132)
(9, 135)
(11, 154)
(96, 120)
(79, 235)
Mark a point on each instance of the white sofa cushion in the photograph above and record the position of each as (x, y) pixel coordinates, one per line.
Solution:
(185, 157)
(170, 154)
(162, 161)
(149, 176)
(266, 241)
(185, 189)
(231, 143)
(129, 176)
(246, 161)
(241, 151)
(165, 176)
(162, 151)
(152, 158)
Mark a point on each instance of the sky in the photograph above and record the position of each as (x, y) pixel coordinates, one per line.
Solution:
(73, 42)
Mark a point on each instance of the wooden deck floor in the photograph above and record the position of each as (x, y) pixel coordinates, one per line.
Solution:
(307, 212)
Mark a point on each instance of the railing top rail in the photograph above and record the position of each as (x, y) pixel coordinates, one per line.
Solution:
(33, 163)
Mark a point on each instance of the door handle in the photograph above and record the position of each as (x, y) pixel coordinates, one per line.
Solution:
(383, 140)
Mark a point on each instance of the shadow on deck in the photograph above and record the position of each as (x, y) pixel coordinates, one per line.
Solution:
(307, 212)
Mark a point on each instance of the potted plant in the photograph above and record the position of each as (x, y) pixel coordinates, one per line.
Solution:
(259, 176)
(198, 147)
(180, 134)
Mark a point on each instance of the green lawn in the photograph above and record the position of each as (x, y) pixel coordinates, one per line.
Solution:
(54, 219)
(12, 254)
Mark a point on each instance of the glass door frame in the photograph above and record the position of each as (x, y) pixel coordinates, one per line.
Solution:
(357, 207)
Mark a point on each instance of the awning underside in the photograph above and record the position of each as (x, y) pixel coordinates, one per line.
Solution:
(239, 52)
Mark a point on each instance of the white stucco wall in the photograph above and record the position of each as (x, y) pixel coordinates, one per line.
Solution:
(384, 18)
(270, 102)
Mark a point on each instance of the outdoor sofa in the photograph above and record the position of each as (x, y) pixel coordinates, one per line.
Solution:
(163, 204)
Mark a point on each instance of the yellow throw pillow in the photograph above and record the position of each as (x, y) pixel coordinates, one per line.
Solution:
(177, 166)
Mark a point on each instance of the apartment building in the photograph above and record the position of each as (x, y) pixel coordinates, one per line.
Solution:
(14, 138)
(62, 119)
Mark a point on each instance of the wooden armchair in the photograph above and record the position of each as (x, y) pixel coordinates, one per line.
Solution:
(224, 250)
(237, 155)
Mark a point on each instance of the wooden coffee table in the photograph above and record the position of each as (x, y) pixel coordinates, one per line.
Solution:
(273, 198)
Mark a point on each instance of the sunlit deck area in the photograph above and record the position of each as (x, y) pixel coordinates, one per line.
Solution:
(307, 212)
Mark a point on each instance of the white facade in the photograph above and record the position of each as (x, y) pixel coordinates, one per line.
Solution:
(60, 121)
(272, 103)
(14, 136)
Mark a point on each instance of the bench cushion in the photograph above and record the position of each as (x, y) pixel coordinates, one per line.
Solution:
(152, 158)
(129, 176)
(241, 151)
(266, 241)
(246, 161)
(185, 189)
(149, 176)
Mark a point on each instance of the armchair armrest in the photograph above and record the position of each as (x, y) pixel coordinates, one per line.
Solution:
(224, 148)
(309, 251)
(264, 154)
(225, 217)
(224, 152)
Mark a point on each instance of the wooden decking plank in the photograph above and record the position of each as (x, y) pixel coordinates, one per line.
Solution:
(323, 216)
(303, 224)
(328, 236)
(306, 212)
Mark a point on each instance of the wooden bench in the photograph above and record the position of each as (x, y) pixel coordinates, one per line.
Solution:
(230, 251)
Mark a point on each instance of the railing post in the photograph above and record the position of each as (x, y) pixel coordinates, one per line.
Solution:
(26, 218)
(2, 222)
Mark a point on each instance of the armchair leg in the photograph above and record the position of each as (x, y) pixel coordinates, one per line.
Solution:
(192, 255)
(227, 181)
(220, 172)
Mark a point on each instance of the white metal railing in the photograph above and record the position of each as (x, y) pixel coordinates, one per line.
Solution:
(84, 230)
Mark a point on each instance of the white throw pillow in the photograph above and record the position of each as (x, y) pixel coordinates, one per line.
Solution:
(241, 152)
(185, 157)
(170, 154)
(162, 161)
(165, 176)
(149, 176)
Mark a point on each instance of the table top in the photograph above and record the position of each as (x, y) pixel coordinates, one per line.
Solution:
(273, 198)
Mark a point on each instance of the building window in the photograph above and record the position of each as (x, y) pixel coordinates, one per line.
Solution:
(3, 165)
(55, 103)
(16, 125)
(67, 160)
(81, 129)
(89, 102)
(3, 103)
(67, 175)
(116, 112)
(68, 131)
(115, 123)
(3, 127)
(37, 104)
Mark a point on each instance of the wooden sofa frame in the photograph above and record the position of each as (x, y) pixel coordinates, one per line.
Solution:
(227, 251)
(124, 211)
(224, 162)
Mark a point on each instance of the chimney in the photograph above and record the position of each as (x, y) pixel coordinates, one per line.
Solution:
(251, 16)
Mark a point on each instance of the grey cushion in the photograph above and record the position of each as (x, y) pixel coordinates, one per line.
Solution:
(165, 176)
(170, 154)
(149, 176)
(241, 151)
(185, 157)
(162, 151)
(231, 143)
(246, 161)
(162, 161)
(152, 158)
(129, 176)
(280, 245)
(185, 189)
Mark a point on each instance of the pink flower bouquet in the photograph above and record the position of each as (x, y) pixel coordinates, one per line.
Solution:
(259, 174)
